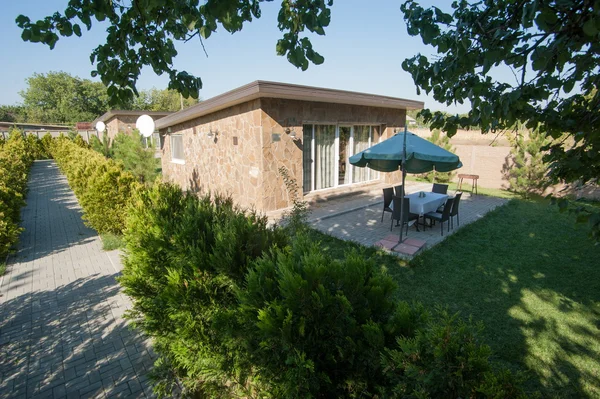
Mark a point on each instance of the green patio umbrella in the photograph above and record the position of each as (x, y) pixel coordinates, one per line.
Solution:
(409, 153)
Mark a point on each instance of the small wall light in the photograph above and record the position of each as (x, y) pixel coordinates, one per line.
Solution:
(292, 133)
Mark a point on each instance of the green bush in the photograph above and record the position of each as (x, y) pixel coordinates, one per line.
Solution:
(316, 327)
(102, 186)
(238, 309)
(16, 157)
(445, 359)
(37, 147)
(129, 149)
(442, 140)
(186, 256)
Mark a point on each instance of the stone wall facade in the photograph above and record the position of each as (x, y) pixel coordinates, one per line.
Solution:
(227, 163)
(249, 170)
(120, 124)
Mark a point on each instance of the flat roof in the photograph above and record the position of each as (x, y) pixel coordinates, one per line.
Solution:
(265, 89)
(116, 112)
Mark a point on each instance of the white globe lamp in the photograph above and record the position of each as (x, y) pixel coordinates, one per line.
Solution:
(100, 127)
(145, 125)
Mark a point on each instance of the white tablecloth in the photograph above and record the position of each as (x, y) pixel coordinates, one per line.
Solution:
(430, 203)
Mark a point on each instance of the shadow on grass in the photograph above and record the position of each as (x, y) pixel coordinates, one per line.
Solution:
(71, 340)
(531, 275)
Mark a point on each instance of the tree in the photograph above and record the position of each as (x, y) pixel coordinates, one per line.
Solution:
(140, 161)
(58, 97)
(440, 139)
(161, 100)
(525, 168)
(12, 113)
(553, 51)
(143, 32)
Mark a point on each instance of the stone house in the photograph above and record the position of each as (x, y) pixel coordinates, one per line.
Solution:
(118, 121)
(236, 143)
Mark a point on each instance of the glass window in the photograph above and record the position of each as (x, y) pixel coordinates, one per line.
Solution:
(361, 143)
(326, 151)
(324, 156)
(177, 148)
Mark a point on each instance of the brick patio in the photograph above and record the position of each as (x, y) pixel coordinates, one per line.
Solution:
(359, 220)
(62, 333)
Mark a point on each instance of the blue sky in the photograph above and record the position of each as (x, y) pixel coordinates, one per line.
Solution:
(364, 47)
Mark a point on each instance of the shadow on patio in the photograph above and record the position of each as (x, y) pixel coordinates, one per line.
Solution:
(364, 226)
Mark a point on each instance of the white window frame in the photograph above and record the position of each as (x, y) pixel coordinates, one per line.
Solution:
(173, 159)
(370, 176)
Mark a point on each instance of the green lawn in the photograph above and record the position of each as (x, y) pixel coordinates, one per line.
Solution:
(466, 186)
(531, 275)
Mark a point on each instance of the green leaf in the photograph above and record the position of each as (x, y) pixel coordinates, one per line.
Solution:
(77, 30)
(589, 28)
(26, 35)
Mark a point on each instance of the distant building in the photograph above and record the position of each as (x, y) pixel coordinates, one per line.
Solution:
(124, 121)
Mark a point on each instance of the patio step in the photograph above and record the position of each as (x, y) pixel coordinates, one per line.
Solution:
(409, 247)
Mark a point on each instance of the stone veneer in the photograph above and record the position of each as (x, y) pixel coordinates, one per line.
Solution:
(120, 123)
(249, 171)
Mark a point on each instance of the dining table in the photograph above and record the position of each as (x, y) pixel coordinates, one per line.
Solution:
(429, 202)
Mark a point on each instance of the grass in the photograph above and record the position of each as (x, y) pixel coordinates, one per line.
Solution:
(111, 241)
(453, 186)
(2, 268)
(531, 275)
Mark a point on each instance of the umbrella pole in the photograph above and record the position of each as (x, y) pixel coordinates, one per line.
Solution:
(403, 187)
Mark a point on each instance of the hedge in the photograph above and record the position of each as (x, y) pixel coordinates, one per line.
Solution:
(239, 309)
(101, 185)
(15, 160)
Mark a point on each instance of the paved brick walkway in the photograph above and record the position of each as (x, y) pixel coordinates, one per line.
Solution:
(62, 333)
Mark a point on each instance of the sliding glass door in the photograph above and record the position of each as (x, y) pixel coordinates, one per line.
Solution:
(326, 153)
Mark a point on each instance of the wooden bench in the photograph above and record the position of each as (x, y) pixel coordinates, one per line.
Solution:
(462, 176)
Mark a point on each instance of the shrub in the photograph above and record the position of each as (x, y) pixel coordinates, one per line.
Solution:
(128, 149)
(525, 169)
(102, 186)
(316, 326)
(15, 159)
(442, 140)
(445, 359)
(185, 258)
(102, 147)
(238, 309)
(37, 147)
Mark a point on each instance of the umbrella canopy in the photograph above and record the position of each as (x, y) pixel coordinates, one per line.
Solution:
(411, 154)
(421, 156)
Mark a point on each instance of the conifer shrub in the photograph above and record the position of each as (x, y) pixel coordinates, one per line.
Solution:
(236, 308)
(185, 258)
(445, 358)
(140, 161)
(316, 327)
(102, 186)
(15, 160)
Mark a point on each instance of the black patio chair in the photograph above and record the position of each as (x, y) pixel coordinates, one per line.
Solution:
(398, 190)
(407, 215)
(388, 195)
(439, 188)
(442, 217)
(454, 210)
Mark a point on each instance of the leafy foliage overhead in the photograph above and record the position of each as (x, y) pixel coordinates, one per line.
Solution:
(553, 50)
(144, 32)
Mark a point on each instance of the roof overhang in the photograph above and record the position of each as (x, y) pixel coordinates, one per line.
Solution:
(265, 89)
(115, 112)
